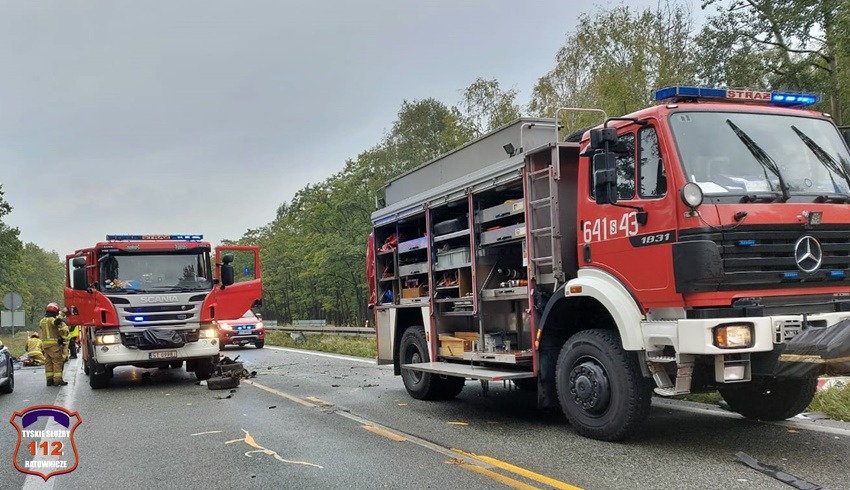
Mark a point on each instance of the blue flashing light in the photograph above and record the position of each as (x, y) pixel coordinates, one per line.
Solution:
(138, 318)
(190, 238)
(746, 243)
(743, 95)
(790, 275)
(837, 274)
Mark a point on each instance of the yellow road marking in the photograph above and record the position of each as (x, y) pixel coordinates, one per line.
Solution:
(383, 432)
(550, 482)
(280, 393)
(317, 400)
(504, 480)
(458, 423)
(249, 440)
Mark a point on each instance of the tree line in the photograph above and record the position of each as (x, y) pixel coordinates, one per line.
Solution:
(36, 274)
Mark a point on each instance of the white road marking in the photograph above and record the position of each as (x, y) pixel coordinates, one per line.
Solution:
(207, 432)
(324, 354)
(65, 398)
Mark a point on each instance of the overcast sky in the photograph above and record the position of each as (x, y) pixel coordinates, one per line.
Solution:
(204, 116)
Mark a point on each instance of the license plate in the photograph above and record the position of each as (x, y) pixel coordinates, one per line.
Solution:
(163, 354)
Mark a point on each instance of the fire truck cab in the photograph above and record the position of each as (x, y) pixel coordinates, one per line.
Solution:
(702, 243)
(153, 301)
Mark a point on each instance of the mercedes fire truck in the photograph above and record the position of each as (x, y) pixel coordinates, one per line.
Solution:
(702, 243)
(153, 301)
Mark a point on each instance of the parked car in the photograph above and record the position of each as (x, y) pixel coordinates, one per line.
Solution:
(245, 330)
(7, 370)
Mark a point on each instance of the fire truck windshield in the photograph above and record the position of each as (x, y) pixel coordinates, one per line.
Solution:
(155, 272)
(741, 154)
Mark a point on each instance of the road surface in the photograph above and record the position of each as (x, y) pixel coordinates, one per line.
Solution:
(318, 420)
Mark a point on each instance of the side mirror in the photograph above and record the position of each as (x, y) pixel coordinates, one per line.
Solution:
(227, 277)
(605, 178)
(78, 276)
(600, 136)
(78, 262)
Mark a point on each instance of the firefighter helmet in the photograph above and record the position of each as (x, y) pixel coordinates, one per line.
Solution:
(52, 308)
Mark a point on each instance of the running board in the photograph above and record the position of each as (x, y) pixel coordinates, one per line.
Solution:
(467, 371)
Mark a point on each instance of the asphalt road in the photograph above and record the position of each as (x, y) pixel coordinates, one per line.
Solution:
(323, 421)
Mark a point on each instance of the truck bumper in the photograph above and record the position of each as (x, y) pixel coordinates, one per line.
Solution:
(117, 354)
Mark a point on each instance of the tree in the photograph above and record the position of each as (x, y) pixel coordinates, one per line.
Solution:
(10, 246)
(614, 59)
(487, 106)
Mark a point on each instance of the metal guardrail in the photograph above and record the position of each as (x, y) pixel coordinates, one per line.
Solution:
(342, 331)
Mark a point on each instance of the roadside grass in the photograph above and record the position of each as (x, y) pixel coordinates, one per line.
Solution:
(352, 346)
(834, 402)
(16, 344)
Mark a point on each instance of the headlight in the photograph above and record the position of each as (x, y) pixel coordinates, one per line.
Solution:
(733, 336)
(224, 326)
(106, 339)
(259, 325)
(692, 194)
(209, 333)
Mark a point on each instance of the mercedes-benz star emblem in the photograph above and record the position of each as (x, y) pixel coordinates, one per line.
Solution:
(808, 254)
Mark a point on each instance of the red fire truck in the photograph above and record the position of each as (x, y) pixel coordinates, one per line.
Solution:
(153, 301)
(702, 243)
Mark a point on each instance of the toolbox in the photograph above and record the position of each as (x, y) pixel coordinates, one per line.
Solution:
(452, 258)
(509, 208)
(503, 234)
(411, 269)
(453, 346)
(415, 292)
(416, 244)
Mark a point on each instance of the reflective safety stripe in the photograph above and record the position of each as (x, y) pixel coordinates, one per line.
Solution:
(49, 342)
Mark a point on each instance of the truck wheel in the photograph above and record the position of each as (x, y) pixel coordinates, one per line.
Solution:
(770, 399)
(204, 369)
(259, 344)
(450, 387)
(99, 380)
(413, 349)
(600, 386)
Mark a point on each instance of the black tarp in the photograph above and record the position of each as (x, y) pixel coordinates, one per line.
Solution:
(160, 338)
(816, 351)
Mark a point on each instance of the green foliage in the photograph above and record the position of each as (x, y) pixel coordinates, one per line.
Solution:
(17, 345)
(38, 275)
(352, 346)
(488, 106)
(834, 402)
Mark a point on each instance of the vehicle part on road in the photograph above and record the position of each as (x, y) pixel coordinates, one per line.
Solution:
(600, 386)
(222, 382)
(770, 398)
(421, 385)
(259, 344)
(775, 472)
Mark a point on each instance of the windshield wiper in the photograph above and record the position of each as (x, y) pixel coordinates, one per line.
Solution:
(761, 157)
(825, 158)
(761, 197)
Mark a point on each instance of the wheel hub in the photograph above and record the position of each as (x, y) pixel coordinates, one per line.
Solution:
(415, 358)
(589, 387)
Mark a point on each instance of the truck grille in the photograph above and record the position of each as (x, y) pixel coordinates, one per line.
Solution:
(759, 257)
(182, 312)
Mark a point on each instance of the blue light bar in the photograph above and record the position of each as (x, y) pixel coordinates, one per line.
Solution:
(790, 275)
(138, 318)
(837, 274)
(190, 238)
(746, 95)
(746, 243)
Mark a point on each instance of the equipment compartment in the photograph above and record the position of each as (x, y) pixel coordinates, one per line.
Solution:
(510, 208)
(452, 258)
(412, 269)
(420, 243)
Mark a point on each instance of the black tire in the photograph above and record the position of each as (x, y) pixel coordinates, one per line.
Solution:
(413, 349)
(222, 383)
(450, 387)
(259, 344)
(526, 384)
(86, 369)
(99, 380)
(600, 386)
(204, 368)
(770, 399)
(9, 387)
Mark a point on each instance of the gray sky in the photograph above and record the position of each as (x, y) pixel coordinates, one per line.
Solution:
(204, 116)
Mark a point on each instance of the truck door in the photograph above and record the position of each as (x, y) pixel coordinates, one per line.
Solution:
(227, 302)
(613, 238)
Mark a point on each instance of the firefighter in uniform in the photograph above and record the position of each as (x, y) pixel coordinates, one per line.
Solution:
(34, 350)
(73, 335)
(53, 342)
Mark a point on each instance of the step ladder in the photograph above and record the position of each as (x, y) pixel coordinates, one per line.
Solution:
(544, 225)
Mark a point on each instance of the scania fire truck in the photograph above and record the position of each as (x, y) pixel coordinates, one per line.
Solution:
(702, 243)
(153, 301)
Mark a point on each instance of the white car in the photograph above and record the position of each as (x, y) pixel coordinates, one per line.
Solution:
(7, 370)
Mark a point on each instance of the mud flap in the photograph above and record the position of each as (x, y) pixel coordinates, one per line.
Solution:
(816, 351)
